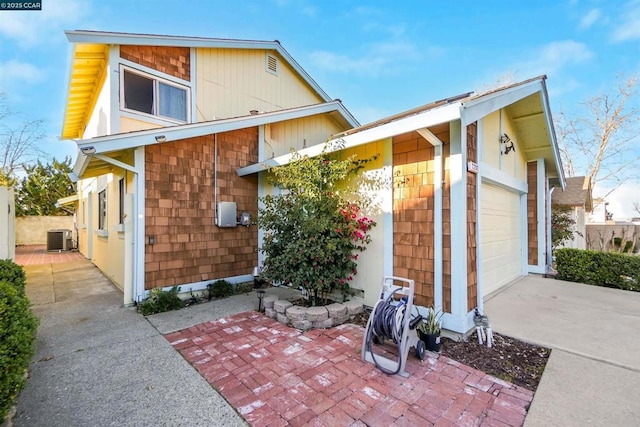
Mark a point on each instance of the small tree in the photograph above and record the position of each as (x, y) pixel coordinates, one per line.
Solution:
(313, 233)
(44, 184)
(562, 225)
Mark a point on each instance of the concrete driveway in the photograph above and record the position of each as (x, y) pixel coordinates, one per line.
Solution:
(593, 373)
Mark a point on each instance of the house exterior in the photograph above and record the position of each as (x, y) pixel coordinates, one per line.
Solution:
(172, 131)
(577, 197)
(468, 206)
(162, 123)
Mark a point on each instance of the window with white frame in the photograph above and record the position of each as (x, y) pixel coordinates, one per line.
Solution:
(152, 95)
(122, 190)
(102, 210)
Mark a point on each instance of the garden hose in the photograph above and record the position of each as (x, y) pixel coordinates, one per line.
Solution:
(386, 323)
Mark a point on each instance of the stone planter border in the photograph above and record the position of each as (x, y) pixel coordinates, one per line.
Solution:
(306, 318)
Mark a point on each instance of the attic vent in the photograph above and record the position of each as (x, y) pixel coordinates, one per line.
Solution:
(272, 64)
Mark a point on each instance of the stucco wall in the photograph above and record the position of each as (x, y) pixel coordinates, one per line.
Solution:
(32, 230)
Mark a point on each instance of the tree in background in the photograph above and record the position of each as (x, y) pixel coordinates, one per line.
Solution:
(603, 143)
(39, 191)
(18, 144)
(562, 225)
(313, 232)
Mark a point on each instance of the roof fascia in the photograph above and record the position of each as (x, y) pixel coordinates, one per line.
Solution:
(82, 161)
(443, 114)
(63, 201)
(202, 42)
(483, 105)
(106, 144)
(552, 132)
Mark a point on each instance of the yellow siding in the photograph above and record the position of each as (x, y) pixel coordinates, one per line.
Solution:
(99, 123)
(493, 126)
(107, 251)
(232, 82)
(296, 133)
(370, 262)
(129, 125)
(490, 140)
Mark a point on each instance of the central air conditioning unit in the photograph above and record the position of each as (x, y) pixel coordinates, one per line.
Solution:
(59, 240)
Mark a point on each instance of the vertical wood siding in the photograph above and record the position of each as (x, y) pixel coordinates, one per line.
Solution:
(232, 82)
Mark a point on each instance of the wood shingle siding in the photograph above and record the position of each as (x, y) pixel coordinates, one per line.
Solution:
(175, 61)
(180, 189)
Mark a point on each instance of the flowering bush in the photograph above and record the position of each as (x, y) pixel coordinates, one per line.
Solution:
(313, 234)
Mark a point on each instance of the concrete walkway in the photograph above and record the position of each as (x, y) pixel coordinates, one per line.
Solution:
(593, 373)
(100, 364)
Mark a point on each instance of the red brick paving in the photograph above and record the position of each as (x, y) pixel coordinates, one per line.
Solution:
(275, 375)
(38, 254)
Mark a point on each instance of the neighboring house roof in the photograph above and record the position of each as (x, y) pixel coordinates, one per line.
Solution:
(526, 101)
(94, 148)
(91, 52)
(576, 193)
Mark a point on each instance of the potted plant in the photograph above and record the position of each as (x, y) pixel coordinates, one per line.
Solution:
(429, 330)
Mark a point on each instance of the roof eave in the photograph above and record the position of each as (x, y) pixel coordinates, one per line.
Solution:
(123, 141)
(442, 114)
(83, 36)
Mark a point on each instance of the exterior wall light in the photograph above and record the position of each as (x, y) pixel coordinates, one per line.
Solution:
(88, 150)
(506, 145)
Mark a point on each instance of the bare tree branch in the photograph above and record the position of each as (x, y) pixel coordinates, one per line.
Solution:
(602, 143)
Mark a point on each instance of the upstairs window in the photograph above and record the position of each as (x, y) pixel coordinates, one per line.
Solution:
(151, 95)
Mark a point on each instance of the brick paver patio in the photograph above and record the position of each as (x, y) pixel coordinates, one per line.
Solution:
(38, 254)
(275, 375)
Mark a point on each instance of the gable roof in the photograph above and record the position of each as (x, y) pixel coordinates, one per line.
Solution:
(526, 101)
(91, 52)
(577, 192)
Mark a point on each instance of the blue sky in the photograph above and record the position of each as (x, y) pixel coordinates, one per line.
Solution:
(378, 57)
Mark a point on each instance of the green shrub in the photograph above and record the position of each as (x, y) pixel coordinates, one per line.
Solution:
(220, 289)
(243, 288)
(18, 328)
(13, 273)
(614, 270)
(160, 301)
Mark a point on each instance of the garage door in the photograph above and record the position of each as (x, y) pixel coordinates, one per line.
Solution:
(500, 237)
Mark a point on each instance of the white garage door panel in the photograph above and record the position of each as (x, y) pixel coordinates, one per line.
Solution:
(500, 243)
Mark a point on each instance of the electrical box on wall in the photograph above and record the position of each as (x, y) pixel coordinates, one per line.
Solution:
(227, 214)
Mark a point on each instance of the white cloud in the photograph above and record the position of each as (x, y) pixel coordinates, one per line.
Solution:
(22, 72)
(28, 28)
(379, 58)
(554, 57)
(621, 199)
(590, 18)
(629, 26)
